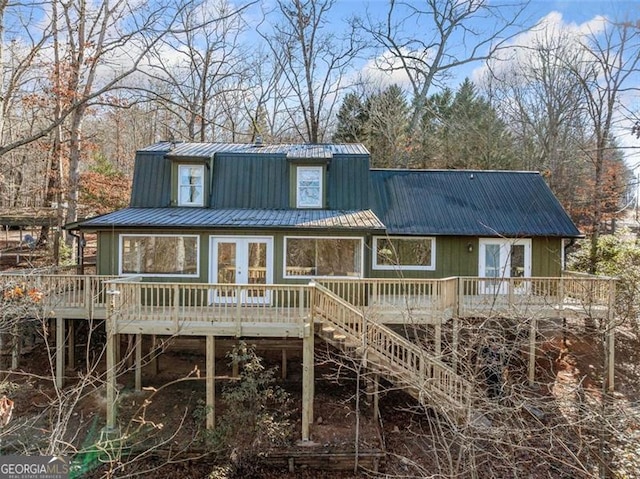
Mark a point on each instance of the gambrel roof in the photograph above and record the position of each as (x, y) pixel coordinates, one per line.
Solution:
(252, 186)
(468, 203)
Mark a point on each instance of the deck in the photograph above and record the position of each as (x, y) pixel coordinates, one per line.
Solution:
(351, 314)
(138, 307)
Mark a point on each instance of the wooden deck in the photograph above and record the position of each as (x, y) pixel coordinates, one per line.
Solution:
(281, 310)
(352, 314)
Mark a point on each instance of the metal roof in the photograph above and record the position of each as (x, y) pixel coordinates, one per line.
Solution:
(207, 150)
(234, 218)
(468, 203)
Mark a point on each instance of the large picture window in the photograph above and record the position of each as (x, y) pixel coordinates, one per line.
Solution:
(159, 255)
(307, 256)
(395, 252)
(191, 185)
(309, 192)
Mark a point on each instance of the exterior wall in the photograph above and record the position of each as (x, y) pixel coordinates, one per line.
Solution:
(255, 181)
(453, 257)
(546, 257)
(151, 181)
(108, 250)
(249, 181)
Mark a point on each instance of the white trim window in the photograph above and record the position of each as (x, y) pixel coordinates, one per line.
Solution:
(308, 256)
(309, 188)
(160, 255)
(190, 185)
(404, 253)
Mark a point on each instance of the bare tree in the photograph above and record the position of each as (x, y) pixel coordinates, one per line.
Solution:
(612, 59)
(449, 37)
(313, 62)
(541, 101)
(198, 63)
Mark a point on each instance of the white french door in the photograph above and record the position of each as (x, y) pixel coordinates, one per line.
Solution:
(241, 260)
(500, 259)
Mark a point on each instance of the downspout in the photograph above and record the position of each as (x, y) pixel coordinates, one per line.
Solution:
(571, 242)
(80, 250)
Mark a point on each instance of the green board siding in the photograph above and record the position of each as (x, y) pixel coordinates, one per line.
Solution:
(249, 181)
(452, 259)
(348, 182)
(151, 181)
(546, 257)
(452, 255)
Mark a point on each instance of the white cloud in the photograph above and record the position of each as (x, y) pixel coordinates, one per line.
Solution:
(550, 26)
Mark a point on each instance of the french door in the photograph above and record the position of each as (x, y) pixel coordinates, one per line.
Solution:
(501, 259)
(241, 260)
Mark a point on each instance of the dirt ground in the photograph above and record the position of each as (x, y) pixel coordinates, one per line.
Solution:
(567, 369)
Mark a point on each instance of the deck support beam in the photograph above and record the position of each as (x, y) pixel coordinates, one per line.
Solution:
(455, 328)
(112, 346)
(138, 365)
(533, 332)
(71, 349)
(211, 384)
(153, 353)
(283, 369)
(60, 347)
(438, 340)
(307, 381)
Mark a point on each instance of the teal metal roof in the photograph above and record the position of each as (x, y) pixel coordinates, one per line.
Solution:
(207, 150)
(199, 218)
(468, 203)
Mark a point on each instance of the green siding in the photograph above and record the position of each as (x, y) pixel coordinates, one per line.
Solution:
(249, 181)
(546, 257)
(151, 187)
(348, 182)
(452, 259)
(452, 255)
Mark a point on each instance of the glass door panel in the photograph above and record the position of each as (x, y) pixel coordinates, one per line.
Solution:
(502, 259)
(241, 261)
(227, 268)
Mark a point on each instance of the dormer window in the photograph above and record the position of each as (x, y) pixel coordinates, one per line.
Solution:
(309, 187)
(190, 185)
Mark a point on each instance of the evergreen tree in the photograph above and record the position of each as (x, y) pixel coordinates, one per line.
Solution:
(352, 118)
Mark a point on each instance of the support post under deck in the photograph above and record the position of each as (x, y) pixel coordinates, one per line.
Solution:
(112, 353)
(60, 346)
(211, 382)
(533, 332)
(138, 366)
(307, 381)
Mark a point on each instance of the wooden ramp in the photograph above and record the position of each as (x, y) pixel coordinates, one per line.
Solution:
(405, 364)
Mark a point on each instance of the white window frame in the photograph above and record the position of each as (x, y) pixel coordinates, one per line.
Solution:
(320, 171)
(180, 185)
(284, 255)
(158, 275)
(394, 267)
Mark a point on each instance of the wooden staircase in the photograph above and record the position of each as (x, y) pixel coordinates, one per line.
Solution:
(405, 364)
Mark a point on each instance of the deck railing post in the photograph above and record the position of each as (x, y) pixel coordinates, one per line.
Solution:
(459, 309)
(176, 307)
(238, 312)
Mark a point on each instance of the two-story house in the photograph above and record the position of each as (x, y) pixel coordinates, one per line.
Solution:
(288, 241)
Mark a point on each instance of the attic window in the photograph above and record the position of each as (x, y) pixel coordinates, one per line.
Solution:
(190, 185)
(309, 187)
